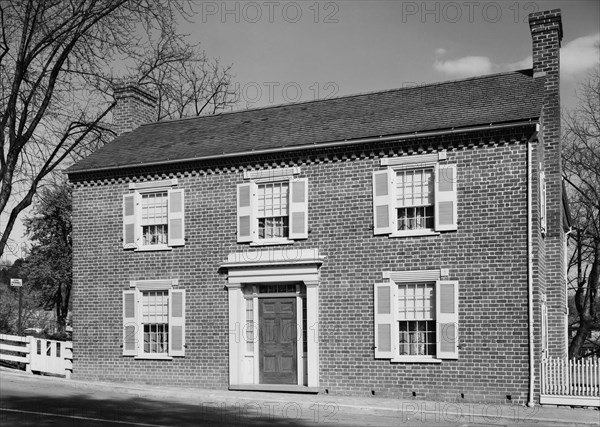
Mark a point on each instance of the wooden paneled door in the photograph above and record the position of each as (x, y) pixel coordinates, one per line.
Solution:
(278, 359)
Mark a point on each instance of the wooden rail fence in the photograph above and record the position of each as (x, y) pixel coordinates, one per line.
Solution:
(38, 355)
(570, 382)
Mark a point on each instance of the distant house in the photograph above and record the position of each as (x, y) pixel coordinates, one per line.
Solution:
(400, 243)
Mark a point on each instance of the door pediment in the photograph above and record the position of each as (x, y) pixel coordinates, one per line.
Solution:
(274, 265)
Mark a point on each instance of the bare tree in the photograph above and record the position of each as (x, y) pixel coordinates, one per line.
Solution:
(190, 86)
(581, 157)
(59, 61)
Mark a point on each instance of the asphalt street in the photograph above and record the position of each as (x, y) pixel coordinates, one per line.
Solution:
(27, 400)
(31, 402)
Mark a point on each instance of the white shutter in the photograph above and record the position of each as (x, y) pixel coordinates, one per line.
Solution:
(246, 227)
(129, 225)
(543, 201)
(176, 230)
(446, 303)
(383, 203)
(176, 322)
(446, 183)
(298, 208)
(130, 324)
(386, 325)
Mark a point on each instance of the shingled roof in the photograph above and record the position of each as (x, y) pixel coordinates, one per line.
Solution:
(493, 99)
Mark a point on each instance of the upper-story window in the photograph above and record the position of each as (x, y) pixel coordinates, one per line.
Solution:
(414, 196)
(153, 216)
(414, 199)
(272, 208)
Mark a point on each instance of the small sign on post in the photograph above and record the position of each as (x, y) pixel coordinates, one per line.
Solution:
(19, 284)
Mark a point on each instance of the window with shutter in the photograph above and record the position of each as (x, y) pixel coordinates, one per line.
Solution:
(414, 199)
(153, 216)
(154, 320)
(272, 211)
(416, 321)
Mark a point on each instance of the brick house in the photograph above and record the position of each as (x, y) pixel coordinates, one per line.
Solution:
(399, 243)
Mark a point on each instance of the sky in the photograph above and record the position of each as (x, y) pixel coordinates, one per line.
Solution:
(297, 51)
(290, 51)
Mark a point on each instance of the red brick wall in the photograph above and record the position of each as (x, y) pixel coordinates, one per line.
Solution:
(488, 255)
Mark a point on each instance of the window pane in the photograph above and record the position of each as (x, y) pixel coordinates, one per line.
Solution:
(416, 301)
(417, 338)
(415, 218)
(273, 210)
(155, 321)
(414, 187)
(416, 311)
(154, 218)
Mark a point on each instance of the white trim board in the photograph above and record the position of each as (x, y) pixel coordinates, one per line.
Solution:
(272, 174)
(414, 275)
(153, 184)
(415, 159)
(152, 285)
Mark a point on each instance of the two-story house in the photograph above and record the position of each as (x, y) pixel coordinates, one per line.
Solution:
(408, 242)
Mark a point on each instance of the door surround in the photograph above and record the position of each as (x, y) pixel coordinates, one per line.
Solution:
(271, 266)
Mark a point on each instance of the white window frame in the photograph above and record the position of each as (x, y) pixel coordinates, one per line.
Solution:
(286, 175)
(255, 219)
(395, 207)
(400, 319)
(403, 163)
(396, 279)
(137, 288)
(164, 186)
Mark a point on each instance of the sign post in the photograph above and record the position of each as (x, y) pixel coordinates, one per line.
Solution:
(18, 283)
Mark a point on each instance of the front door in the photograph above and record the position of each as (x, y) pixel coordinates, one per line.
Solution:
(277, 347)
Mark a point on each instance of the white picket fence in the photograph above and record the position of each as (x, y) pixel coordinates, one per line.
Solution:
(570, 382)
(38, 355)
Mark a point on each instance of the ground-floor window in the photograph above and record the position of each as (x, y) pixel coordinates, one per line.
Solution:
(416, 316)
(416, 321)
(153, 320)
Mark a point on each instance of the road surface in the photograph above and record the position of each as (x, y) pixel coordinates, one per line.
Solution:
(36, 401)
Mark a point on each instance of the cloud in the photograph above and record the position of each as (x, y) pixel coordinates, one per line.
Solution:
(576, 57)
(579, 55)
(464, 67)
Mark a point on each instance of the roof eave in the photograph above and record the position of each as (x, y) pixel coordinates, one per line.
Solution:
(339, 143)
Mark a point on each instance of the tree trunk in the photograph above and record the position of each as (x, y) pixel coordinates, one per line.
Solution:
(577, 343)
(585, 300)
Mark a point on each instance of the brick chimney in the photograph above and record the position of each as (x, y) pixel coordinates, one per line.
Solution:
(135, 106)
(546, 32)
